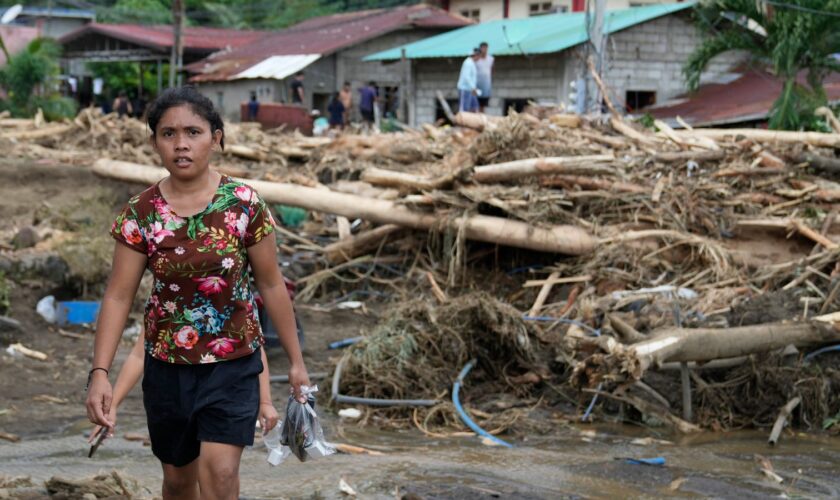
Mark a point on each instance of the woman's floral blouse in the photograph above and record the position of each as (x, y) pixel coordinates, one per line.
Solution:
(201, 309)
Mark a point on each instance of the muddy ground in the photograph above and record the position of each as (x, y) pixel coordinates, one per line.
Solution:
(42, 403)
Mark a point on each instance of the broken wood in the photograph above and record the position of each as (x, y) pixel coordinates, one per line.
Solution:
(573, 165)
(29, 135)
(29, 353)
(344, 250)
(391, 178)
(626, 130)
(245, 152)
(570, 240)
(439, 294)
(566, 120)
(476, 121)
(782, 419)
(543, 294)
(12, 438)
(812, 138)
(697, 156)
(592, 183)
(819, 163)
(554, 280)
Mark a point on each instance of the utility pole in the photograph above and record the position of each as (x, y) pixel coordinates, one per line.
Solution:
(176, 58)
(598, 41)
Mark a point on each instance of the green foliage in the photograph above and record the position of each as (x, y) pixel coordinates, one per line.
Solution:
(136, 11)
(29, 75)
(125, 76)
(791, 41)
(646, 121)
(5, 294)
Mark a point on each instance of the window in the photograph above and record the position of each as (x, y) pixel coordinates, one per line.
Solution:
(517, 105)
(474, 14)
(638, 99)
(543, 8)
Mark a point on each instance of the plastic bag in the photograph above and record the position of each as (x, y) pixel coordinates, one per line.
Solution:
(299, 434)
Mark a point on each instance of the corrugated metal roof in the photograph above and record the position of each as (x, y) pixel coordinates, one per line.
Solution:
(746, 99)
(16, 39)
(278, 67)
(322, 35)
(160, 37)
(532, 35)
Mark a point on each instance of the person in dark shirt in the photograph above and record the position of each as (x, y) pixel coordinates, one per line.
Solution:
(336, 110)
(367, 101)
(253, 107)
(297, 89)
(122, 105)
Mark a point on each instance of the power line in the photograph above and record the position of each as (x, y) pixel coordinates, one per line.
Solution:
(802, 8)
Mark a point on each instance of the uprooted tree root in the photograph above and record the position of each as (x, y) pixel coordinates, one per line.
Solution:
(420, 347)
(752, 394)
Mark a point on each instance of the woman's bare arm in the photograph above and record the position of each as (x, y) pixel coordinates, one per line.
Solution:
(269, 281)
(127, 269)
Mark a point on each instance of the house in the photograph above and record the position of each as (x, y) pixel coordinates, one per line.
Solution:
(538, 59)
(99, 42)
(52, 22)
(743, 102)
(328, 49)
(492, 10)
(16, 39)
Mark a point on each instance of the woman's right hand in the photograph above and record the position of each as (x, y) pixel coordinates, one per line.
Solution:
(94, 434)
(99, 400)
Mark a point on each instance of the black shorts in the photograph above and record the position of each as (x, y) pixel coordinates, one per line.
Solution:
(188, 404)
(483, 101)
(367, 115)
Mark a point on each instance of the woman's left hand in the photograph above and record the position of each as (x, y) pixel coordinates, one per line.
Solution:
(268, 416)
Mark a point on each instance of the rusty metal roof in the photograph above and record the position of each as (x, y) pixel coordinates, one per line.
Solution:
(322, 36)
(160, 37)
(745, 99)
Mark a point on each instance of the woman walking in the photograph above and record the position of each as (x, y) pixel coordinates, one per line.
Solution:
(205, 374)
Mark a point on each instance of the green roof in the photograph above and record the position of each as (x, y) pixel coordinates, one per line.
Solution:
(532, 35)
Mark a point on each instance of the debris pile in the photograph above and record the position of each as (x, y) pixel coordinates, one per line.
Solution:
(610, 260)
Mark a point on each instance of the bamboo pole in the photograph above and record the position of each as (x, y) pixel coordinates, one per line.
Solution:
(570, 240)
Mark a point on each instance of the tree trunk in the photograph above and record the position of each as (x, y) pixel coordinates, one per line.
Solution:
(570, 240)
(390, 178)
(812, 138)
(573, 165)
(344, 250)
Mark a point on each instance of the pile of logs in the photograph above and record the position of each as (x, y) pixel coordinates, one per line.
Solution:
(703, 219)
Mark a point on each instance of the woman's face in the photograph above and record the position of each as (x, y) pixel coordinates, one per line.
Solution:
(184, 142)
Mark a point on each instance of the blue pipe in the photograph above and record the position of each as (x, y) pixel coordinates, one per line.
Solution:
(338, 344)
(456, 389)
(824, 350)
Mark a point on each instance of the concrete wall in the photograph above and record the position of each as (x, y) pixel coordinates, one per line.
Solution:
(538, 78)
(227, 96)
(647, 57)
(650, 57)
(491, 10)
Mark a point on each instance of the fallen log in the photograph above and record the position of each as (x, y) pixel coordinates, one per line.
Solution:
(819, 163)
(245, 152)
(344, 250)
(565, 239)
(697, 156)
(28, 135)
(572, 165)
(813, 138)
(391, 178)
(477, 121)
(698, 344)
(591, 183)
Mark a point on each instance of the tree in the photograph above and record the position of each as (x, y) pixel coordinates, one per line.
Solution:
(29, 77)
(791, 38)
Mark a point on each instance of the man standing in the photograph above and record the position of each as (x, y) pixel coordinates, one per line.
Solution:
(367, 101)
(468, 84)
(345, 95)
(253, 107)
(484, 70)
(297, 89)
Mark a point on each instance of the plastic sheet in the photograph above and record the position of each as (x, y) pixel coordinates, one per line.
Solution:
(300, 434)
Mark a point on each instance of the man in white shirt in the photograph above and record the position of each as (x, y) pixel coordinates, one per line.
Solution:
(468, 85)
(484, 71)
